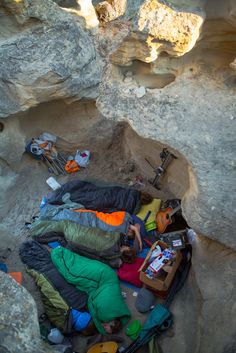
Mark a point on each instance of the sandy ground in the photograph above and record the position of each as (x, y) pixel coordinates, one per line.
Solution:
(109, 165)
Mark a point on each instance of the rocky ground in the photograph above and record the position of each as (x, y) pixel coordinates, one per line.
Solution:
(166, 69)
(108, 165)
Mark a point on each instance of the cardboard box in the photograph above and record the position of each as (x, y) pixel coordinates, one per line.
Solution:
(160, 284)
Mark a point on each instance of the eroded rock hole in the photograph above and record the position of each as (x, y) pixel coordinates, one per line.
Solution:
(118, 156)
(143, 75)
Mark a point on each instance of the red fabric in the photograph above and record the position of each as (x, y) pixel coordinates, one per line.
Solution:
(129, 272)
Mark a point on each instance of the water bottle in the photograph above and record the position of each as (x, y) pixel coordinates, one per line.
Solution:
(43, 202)
(191, 236)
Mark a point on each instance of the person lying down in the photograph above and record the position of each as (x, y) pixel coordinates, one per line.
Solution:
(109, 247)
(78, 294)
(100, 196)
(84, 324)
(117, 221)
(105, 302)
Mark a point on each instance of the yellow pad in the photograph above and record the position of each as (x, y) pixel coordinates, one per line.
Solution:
(154, 207)
(104, 347)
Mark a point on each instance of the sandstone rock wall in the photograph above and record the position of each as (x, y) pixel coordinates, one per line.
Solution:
(168, 70)
(19, 328)
(52, 57)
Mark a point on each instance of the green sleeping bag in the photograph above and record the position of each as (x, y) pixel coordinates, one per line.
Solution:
(99, 281)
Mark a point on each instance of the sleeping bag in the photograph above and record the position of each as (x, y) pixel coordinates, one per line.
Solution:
(99, 281)
(110, 222)
(58, 296)
(99, 198)
(90, 242)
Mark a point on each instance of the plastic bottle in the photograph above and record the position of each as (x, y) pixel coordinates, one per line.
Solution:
(43, 202)
(191, 236)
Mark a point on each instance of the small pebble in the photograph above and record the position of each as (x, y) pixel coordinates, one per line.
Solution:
(129, 74)
(128, 80)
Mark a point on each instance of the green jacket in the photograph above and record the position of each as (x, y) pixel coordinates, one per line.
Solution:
(98, 280)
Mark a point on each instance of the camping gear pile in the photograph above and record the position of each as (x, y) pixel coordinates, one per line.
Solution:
(82, 223)
(44, 148)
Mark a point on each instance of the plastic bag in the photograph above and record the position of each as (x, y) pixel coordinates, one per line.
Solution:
(82, 158)
(55, 336)
(46, 136)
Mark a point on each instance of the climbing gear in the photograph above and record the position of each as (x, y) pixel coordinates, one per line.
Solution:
(166, 159)
(43, 148)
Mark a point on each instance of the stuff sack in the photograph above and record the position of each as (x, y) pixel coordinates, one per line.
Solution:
(82, 158)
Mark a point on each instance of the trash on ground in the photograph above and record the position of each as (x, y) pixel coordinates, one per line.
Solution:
(54, 185)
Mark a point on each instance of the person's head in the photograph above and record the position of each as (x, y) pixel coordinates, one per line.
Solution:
(128, 254)
(112, 326)
(145, 198)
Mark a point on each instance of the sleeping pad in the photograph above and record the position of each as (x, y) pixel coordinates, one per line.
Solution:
(99, 198)
(99, 281)
(58, 296)
(87, 241)
(110, 222)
